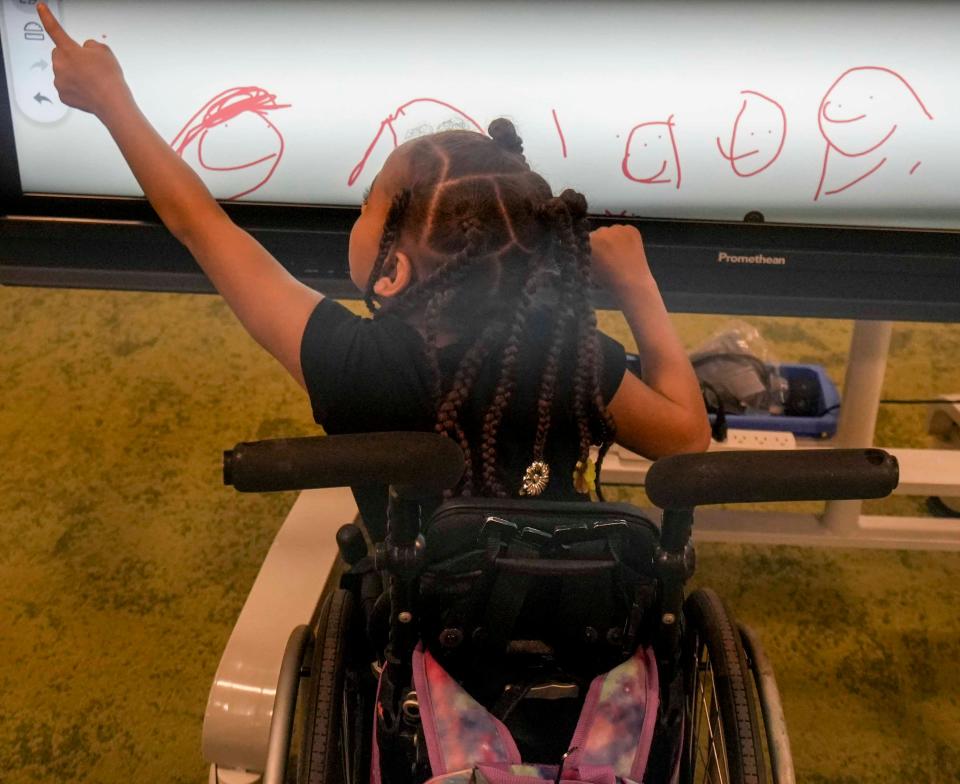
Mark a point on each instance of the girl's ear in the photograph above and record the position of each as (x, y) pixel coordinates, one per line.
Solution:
(396, 276)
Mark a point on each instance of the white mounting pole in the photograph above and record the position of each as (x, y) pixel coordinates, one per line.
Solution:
(862, 385)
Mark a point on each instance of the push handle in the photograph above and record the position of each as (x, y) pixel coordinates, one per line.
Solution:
(418, 465)
(686, 481)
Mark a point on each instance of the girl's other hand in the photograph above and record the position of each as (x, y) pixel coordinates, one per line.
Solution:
(87, 77)
(619, 259)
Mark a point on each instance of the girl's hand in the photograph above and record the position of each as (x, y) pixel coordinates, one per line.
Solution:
(619, 259)
(87, 77)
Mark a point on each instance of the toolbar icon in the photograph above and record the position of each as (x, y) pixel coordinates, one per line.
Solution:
(33, 31)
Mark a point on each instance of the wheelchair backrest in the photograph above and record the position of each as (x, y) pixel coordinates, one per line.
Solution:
(565, 573)
(554, 527)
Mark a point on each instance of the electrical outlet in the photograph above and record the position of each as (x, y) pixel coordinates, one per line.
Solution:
(756, 439)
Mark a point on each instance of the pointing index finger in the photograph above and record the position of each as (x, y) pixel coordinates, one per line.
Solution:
(57, 34)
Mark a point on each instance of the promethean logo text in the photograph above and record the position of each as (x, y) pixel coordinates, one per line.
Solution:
(726, 258)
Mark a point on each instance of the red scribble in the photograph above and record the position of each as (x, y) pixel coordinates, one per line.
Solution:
(563, 142)
(387, 124)
(826, 123)
(655, 179)
(732, 157)
(221, 109)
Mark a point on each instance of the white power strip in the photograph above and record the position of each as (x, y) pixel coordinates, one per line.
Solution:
(756, 439)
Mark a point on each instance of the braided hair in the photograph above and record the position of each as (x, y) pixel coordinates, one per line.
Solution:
(491, 237)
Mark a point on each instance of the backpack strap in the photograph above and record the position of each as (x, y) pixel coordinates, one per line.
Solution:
(612, 740)
(521, 774)
(460, 733)
(616, 725)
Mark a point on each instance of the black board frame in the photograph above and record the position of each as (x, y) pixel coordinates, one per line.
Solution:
(826, 271)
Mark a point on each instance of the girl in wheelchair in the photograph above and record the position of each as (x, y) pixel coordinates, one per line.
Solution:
(515, 633)
(479, 281)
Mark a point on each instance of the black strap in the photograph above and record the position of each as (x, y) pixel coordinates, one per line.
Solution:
(506, 599)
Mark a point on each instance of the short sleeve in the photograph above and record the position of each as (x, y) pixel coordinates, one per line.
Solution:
(327, 335)
(614, 365)
(360, 373)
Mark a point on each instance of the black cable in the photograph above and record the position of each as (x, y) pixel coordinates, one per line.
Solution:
(718, 429)
(897, 402)
(917, 402)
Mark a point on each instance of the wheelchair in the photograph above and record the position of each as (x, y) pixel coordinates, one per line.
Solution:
(516, 641)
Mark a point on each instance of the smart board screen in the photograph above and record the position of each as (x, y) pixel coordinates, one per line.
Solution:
(825, 113)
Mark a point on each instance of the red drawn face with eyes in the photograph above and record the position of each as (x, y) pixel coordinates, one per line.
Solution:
(864, 107)
(232, 143)
(651, 156)
(759, 133)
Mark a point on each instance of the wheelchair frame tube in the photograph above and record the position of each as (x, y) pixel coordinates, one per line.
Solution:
(774, 722)
(284, 706)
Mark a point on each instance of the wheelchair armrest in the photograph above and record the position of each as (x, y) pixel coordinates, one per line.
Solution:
(418, 465)
(686, 481)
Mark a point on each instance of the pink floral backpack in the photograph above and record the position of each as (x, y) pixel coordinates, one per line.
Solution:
(466, 744)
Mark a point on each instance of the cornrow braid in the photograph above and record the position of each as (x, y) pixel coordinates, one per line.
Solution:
(439, 288)
(391, 230)
(431, 320)
(586, 324)
(444, 277)
(608, 424)
(505, 387)
(448, 412)
(588, 354)
(556, 215)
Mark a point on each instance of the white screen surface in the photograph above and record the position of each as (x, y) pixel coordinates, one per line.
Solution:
(840, 113)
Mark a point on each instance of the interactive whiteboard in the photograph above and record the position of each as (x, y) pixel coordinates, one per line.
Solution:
(840, 113)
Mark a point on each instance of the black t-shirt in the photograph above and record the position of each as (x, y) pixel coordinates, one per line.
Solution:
(369, 375)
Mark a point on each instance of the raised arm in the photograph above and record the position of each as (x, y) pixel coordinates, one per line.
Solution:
(664, 413)
(271, 304)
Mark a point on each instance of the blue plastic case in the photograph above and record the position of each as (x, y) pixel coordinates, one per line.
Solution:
(821, 424)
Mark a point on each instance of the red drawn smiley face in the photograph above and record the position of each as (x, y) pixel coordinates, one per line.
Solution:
(759, 133)
(651, 156)
(864, 107)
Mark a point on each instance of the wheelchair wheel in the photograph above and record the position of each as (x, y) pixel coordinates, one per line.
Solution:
(722, 735)
(336, 734)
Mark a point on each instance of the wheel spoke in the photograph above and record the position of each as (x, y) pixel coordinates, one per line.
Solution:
(705, 704)
(723, 740)
(712, 715)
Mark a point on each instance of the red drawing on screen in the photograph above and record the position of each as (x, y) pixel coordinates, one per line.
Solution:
(231, 141)
(759, 133)
(418, 117)
(563, 141)
(651, 156)
(858, 118)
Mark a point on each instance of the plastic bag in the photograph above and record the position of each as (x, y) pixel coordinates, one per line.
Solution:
(738, 372)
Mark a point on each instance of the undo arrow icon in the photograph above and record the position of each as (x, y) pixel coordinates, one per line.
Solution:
(40, 98)
(41, 64)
